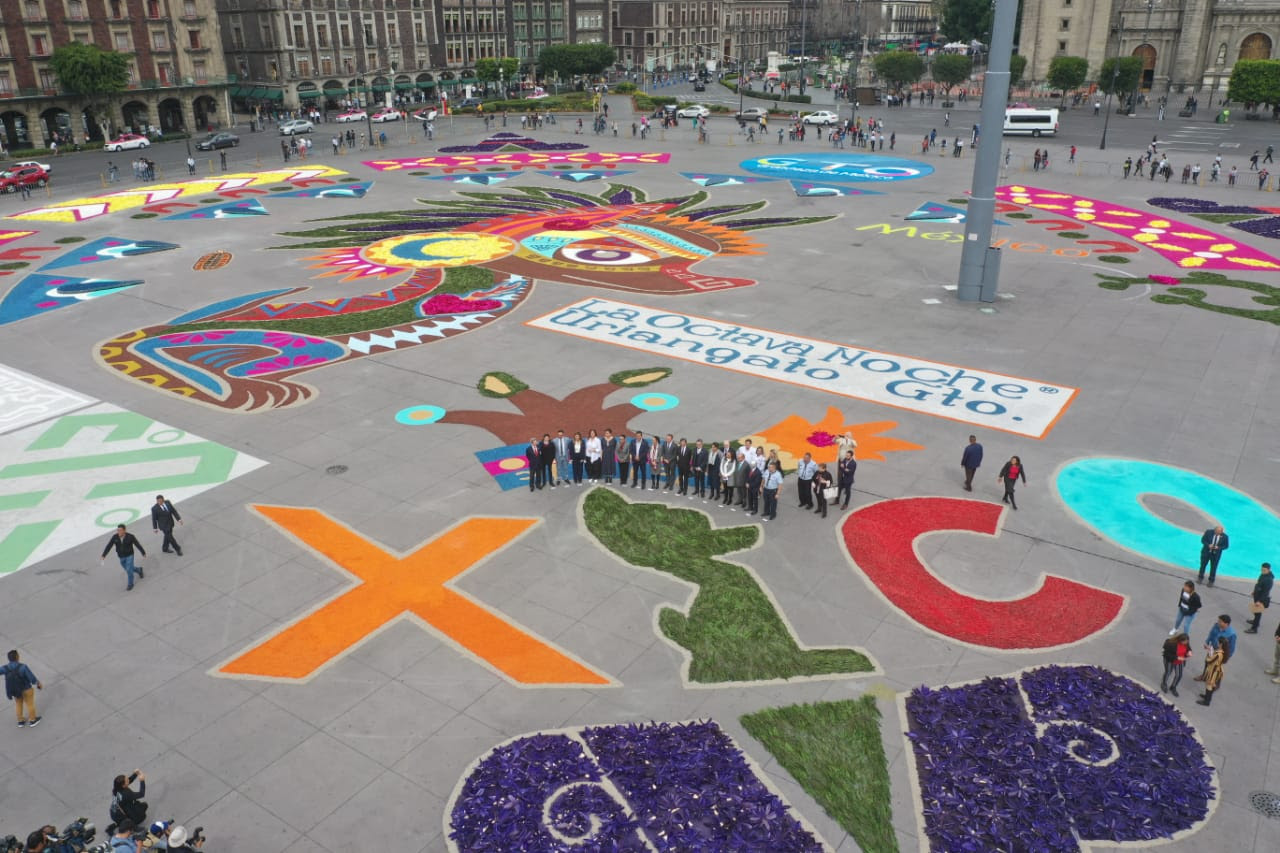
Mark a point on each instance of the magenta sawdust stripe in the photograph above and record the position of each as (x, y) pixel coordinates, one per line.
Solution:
(1187, 246)
(520, 160)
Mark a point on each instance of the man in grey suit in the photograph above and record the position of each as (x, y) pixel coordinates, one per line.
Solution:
(562, 444)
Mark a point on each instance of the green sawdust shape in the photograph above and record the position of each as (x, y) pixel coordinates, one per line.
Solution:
(733, 631)
(833, 750)
(1225, 218)
(1267, 295)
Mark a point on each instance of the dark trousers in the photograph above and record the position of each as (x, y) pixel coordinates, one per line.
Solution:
(968, 478)
(753, 499)
(640, 472)
(699, 483)
(728, 493)
(578, 465)
(1209, 557)
(169, 541)
(684, 482)
(821, 497)
(655, 476)
(845, 489)
(770, 503)
(546, 474)
(1172, 675)
(806, 493)
(1008, 492)
(712, 484)
(669, 468)
(623, 465)
(1256, 621)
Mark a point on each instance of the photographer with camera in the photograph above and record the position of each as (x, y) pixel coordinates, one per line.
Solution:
(127, 804)
(181, 841)
(74, 838)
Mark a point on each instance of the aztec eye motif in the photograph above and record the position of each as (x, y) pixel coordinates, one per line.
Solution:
(461, 264)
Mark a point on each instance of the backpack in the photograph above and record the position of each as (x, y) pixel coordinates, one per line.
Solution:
(15, 683)
(117, 812)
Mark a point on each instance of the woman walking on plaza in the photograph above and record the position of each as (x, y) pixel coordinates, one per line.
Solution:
(1176, 652)
(1214, 666)
(1010, 473)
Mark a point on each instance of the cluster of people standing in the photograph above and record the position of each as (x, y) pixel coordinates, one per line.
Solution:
(738, 475)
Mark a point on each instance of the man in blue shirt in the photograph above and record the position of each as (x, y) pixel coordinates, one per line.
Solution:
(20, 685)
(1222, 630)
(804, 480)
(772, 482)
(970, 460)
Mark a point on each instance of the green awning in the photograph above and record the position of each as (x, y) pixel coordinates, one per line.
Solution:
(426, 84)
(310, 93)
(381, 87)
(404, 87)
(466, 80)
(255, 92)
(335, 93)
(273, 94)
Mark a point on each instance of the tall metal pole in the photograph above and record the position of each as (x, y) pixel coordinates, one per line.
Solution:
(979, 263)
(1137, 84)
(804, 31)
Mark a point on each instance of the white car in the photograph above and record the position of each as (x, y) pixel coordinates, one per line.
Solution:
(126, 140)
(351, 115)
(825, 117)
(20, 163)
(385, 115)
(298, 125)
(693, 111)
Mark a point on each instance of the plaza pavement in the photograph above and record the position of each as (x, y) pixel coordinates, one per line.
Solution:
(365, 754)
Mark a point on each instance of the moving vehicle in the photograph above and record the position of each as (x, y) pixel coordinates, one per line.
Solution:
(218, 140)
(352, 115)
(44, 166)
(298, 125)
(694, 111)
(823, 117)
(1030, 121)
(753, 114)
(13, 179)
(428, 114)
(699, 86)
(385, 115)
(127, 140)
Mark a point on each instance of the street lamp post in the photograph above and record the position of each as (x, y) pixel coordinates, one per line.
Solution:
(1137, 84)
(804, 32)
(1115, 75)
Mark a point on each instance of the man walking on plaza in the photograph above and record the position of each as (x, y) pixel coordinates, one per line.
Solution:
(970, 461)
(20, 685)
(1261, 597)
(1275, 659)
(1188, 605)
(1213, 543)
(124, 543)
(163, 515)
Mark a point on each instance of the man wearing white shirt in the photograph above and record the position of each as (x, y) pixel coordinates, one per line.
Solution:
(804, 480)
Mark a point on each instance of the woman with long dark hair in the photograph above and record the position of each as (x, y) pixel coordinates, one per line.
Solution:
(1175, 652)
(1009, 474)
(127, 804)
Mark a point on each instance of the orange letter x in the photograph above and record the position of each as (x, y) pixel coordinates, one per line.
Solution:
(393, 587)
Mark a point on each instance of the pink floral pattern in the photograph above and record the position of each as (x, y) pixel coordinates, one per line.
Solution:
(282, 362)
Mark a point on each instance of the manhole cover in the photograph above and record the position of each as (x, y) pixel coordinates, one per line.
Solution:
(1266, 803)
(336, 469)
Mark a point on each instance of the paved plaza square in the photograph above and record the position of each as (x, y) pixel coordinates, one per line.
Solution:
(382, 633)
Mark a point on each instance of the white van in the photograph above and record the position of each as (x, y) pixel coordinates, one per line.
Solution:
(1018, 120)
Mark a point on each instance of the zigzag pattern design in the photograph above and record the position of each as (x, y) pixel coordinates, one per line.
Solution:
(414, 334)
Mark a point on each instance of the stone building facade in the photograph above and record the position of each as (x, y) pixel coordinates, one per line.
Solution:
(177, 76)
(1187, 46)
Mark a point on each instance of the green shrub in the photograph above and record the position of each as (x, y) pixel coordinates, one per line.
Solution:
(624, 88)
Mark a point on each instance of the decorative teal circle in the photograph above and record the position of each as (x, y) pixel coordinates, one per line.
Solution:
(838, 166)
(112, 517)
(165, 436)
(655, 402)
(420, 415)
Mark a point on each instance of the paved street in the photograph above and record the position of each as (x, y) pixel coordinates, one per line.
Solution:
(371, 601)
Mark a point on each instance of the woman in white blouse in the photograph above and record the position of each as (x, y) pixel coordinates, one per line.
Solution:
(595, 450)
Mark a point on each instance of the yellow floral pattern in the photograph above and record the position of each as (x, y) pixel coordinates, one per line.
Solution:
(1177, 242)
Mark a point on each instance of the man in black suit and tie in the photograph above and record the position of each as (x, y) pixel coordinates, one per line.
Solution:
(547, 458)
(701, 463)
(640, 460)
(684, 465)
(1213, 543)
(163, 515)
(668, 451)
(533, 453)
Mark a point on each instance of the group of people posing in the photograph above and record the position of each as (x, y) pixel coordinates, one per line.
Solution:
(736, 474)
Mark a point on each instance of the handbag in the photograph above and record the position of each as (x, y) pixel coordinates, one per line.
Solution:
(830, 493)
(1256, 607)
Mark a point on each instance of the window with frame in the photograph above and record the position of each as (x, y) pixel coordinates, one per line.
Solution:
(539, 29)
(32, 11)
(165, 72)
(368, 34)
(48, 80)
(299, 35)
(153, 8)
(304, 67)
(75, 10)
(344, 35)
(557, 10)
(1065, 24)
(189, 9)
(539, 10)
(39, 44)
(6, 82)
(82, 37)
(193, 39)
(200, 71)
(1062, 47)
(117, 9)
(521, 30)
(159, 41)
(419, 32)
(557, 29)
(391, 33)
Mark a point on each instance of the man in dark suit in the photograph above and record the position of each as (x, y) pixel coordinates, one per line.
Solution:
(754, 479)
(533, 453)
(640, 460)
(701, 459)
(1212, 543)
(740, 475)
(684, 465)
(547, 458)
(668, 452)
(844, 480)
(163, 515)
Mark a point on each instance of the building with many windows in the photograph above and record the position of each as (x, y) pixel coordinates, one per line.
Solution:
(1187, 46)
(753, 28)
(177, 78)
(652, 35)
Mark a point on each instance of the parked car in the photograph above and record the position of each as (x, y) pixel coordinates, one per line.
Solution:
(428, 114)
(824, 117)
(699, 86)
(218, 140)
(694, 111)
(468, 102)
(13, 179)
(127, 140)
(753, 114)
(386, 115)
(44, 166)
(296, 126)
(352, 115)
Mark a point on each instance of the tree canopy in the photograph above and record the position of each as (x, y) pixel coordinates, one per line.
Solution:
(970, 20)
(1067, 73)
(899, 67)
(1112, 82)
(93, 75)
(1017, 65)
(1255, 81)
(570, 60)
(489, 69)
(950, 69)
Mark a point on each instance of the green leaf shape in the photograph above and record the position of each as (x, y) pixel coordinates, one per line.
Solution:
(1113, 259)
(1266, 294)
(639, 378)
(1072, 235)
(833, 749)
(732, 631)
(513, 385)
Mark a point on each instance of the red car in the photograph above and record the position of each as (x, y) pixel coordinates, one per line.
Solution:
(12, 180)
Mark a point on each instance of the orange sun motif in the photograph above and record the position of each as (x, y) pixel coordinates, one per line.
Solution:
(794, 436)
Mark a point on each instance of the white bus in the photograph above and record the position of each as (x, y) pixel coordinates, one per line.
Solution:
(1030, 121)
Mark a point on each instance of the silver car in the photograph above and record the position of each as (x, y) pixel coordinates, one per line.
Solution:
(297, 125)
